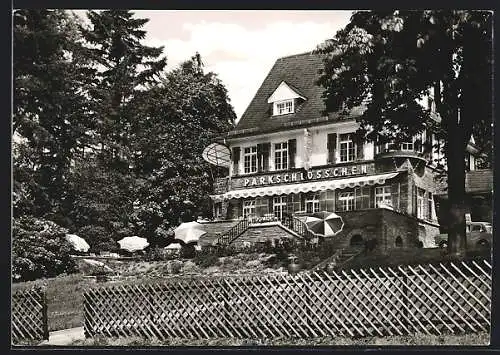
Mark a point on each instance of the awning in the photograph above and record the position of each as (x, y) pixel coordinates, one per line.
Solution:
(307, 187)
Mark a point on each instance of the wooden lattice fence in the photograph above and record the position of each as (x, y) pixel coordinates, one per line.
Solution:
(29, 315)
(430, 299)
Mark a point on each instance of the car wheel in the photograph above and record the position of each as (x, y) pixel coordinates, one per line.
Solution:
(443, 245)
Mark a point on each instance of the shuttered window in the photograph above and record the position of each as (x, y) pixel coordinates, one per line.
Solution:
(292, 146)
(236, 160)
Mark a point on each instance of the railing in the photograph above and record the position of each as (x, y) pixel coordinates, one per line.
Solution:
(452, 297)
(29, 315)
(228, 237)
(293, 223)
(339, 257)
(331, 259)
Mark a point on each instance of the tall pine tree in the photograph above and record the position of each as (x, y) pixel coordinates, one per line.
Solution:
(126, 67)
(50, 118)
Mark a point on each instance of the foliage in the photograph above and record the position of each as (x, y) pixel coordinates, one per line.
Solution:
(102, 147)
(481, 338)
(103, 198)
(188, 251)
(389, 61)
(39, 249)
(160, 254)
(98, 238)
(50, 116)
(184, 114)
(205, 260)
(127, 67)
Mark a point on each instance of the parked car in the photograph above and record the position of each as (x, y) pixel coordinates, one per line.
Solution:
(478, 234)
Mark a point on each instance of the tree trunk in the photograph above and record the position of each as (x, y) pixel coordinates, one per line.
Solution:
(456, 191)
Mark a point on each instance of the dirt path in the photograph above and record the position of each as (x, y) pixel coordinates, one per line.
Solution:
(64, 337)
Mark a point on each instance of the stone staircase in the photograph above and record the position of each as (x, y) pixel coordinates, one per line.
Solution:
(215, 230)
(348, 254)
(340, 257)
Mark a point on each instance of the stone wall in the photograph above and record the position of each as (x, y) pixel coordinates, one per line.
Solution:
(261, 233)
(385, 226)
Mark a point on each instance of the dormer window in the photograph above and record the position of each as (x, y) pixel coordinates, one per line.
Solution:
(283, 107)
(284, 99)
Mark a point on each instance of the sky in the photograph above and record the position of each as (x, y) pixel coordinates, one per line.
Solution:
(239, 46)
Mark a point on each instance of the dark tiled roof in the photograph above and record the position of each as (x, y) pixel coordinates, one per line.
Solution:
(479, 181)
(301, 72)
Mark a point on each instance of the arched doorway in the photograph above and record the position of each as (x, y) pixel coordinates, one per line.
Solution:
(399, 242)
(356, 241)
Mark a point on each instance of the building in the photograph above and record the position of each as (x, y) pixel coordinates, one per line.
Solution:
(287, 157)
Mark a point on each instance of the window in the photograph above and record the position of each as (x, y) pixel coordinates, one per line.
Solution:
(248, 208)
(380, 148)
(347, 148)
(406, 146)
(346, 201)
(430, 206)
(218, 210)
(250, 160)
(281, 156)
(362, 197)
(477, 228)
(419, 141)
(279, 206)
(383, 195)
(312, 203)
(283, 107)
(420, 202)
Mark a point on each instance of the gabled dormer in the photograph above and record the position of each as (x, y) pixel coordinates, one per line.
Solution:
(285, 99)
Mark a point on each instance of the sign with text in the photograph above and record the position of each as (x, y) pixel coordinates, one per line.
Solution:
(289, 177)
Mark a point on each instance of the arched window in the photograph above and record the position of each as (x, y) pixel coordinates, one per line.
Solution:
(399, 242)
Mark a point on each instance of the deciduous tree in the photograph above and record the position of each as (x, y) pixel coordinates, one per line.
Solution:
(389, 60)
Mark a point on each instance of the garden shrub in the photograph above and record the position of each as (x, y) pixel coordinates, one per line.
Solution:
(176, 267)
(98, 238)
(205, 260)
(188, 251)
(39, 249)
(160, 254)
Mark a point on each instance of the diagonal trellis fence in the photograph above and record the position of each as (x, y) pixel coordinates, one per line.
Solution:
(452, 297)
(29, 315)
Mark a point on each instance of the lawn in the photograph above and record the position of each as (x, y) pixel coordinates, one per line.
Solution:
(64, 299)
(417, 339)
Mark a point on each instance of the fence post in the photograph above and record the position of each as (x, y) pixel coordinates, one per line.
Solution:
(45, 321)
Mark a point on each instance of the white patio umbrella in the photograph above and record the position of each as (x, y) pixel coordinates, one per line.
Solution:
(133, 243)
(325, 224)
(78, 243)
(189, 232)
